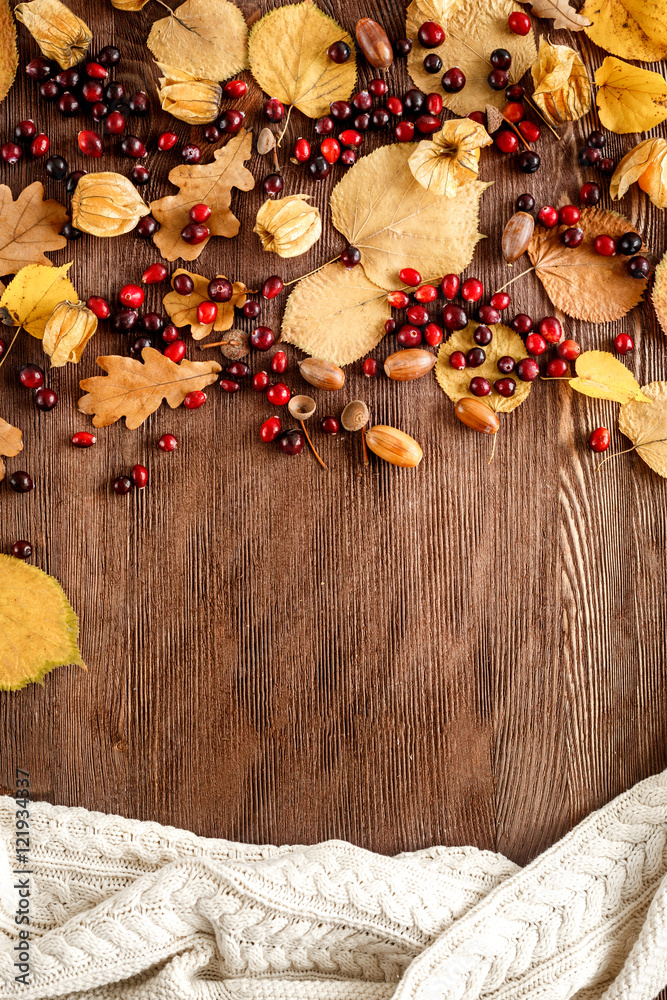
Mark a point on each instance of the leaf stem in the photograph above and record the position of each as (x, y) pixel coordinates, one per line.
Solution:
(280, 137)
(312, 446)
(301, 277)
(18, 330)
(363, 445)
(614, 454)
(546, 122)
(512, 280)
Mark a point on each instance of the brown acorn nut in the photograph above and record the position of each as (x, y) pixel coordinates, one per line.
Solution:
(477, 414)
(322, 374)
(394, 446)
(517, 234)
(403, 366)
(374, 43)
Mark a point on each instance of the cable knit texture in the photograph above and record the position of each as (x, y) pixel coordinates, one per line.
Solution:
(125, 909)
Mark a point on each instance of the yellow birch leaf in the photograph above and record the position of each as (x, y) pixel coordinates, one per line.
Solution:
(562, 88)
(31, 296)
(287, 51)
(9, 57)
(383, 211)
(11, 443)
(646, 426)
(182, 309)
(601, 375)
(646, 164)
(456, 383)
(38, 627)
(630, 99)
(659, 295)
(336, 315)
(450, 160)
(632, 29)
(206, 38)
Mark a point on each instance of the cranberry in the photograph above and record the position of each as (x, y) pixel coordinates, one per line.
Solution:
(21, 549)
(522, 323)
(220, 289)
(506, 364)
(409, 336)
(599, 439)
(548, 216)
(152, 322)
(114, 92)
(115, 124)
(278, 394)
(457, 359)
(350, 137)
(109, 56)
(433, 334)
(525, 203)
(318, 168)
(569, 350)
(3, 347)
(274, 110)
(251, 310)
(132, 147)
(330, 425)
(170, 333)
(477, 116)
(68, 105)
(45, 399)
(475, 357)
(432, 63)
(191, 153)
(138, 345)
(184, 285)
(410, 276)
(139, 103)
(589, 156)
(207, 312)
(480, 386)
(194, 399)
(175, 351)
(572, 237)
(70, 232)
(339, 52)
(624, 343)
(260, 381)
(370, 367)
(350, 257)
(398, 299)
(500, 300)
(324, 126)
(428, 124)
(235, 88)
(240, 370)
(638, 267)
(488, 315)
(482, 336)
(380, 120)
(330, 150)
(40, 145)
(270, 429)
(607, 165)
(472, 290)
(21, 482)
(434, 104)
(629, 244)
(262, 338)
(362, 101)
(166, 141)
(450, 285)
(605, 245)
(212, 133)
(167, 443)
(302, 150)
(229, 385)
(417, 315)
(518, 23)
(506, 141)
(528, 161)
(83, 439)
(550, 329)
(527, 369)
(90, 143)
(394, 106)
(497, 79)
(404, 132)
(427, 293)
(291, 442)
(154, 274)
(49, 90)
(454, 318)
(501, 59)
(272, 287)
(195, 233)
(402, 46)
(590, 193)
(92, 92)
(557, 368)
(569, 215)
(132, 296)
(73, 179)
(414, 101)
(531, 132)
(122, 485)
(39, 68)
(278, 363)
(139, 476)
(11, 153)
(505, 386)
(25, 130)
(454, 80)
(69, 79)
(99, 111)
(535, 344)
(377, 87)
(31, 376)
(430, 35)
(390, 326)
(124, 320)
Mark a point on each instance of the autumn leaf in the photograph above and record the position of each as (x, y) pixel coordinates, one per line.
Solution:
(9, 57)
(134, 390)
(30, 226)
(630, 99)
(336, 315)
(562, 88)
(182, 309)
(659, 295)
(30, 298)
(206, 38)
(646, 426)
(472, 31)
(450, 160)
(601, 375)
(456, 383)
(381, 209)
(11, 443)
(131, 5)
(287, 51)
(646, 164)
(563, 14)
(632, 29)
(581, 282)
(208, 183)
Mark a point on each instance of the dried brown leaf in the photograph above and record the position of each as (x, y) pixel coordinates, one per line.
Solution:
(11, 443)
(659, 294)
(30, 226)
(182, 309)
(456, 383)
(9, 57)
(563, 14)
(562, 88)
(206, 38)
(581, 282)
(646, 426)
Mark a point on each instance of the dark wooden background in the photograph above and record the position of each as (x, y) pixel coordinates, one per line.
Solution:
(459, 654)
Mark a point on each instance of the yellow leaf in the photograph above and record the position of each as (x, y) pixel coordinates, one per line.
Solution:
(646, 164)
(30, 226)
(288, 57)
(132, 5)
(336, 315)
(182, 309)
(659, 294)
(11, 443)
(632, 29)
(630, 99)
(30, 297)
(134, 390)
(562, 88)
(206, 38)
(288, 226)
(450, 160)
(9, 57)
(381, 209)
(60, 34)
(646, 426)
(38, 628)
(456, 383)
(601, 375)
(472, 31)
(564, 15)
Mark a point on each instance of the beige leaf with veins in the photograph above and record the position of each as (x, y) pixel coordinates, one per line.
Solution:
(30, 226)
(182, 309)
(646, 426)
(456, 383)
(11, 443)
(206, 38)
(659, 294)
(383, 211)
(450, 160)
(563, 14)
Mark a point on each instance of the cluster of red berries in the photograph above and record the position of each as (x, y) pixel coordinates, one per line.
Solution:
(591, 155)
(291, 442)
(32, 377)
(138, 477)
(627, 245)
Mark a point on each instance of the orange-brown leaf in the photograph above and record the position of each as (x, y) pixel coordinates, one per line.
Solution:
(10, 443)
(30, 226)
(182, 309)
(9, 57)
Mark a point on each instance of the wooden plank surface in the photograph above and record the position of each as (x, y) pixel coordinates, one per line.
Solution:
(459, 654)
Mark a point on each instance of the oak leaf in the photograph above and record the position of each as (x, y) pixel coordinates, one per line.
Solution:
(206, 38)
(472, 31)
(336, 315)
(287, 52)
(456, 383)
(646, 426)
(646, 164)
(630, 99)
(182, 309)
(450, 159)
(9, 57)
(38, 627)
(562, 88)
(30, 297)
(210, 183)
(11, 443)
(581, 282)
(659, 294)
(134, 390)
(601, 375)
(564, 15)
(30, 226)
(383, 211)
(632, 29)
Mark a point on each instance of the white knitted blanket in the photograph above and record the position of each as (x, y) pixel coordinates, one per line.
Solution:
(125, 909)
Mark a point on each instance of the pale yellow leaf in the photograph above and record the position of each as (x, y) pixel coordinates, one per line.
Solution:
(9, 57)
(450, 160)
(659, 294)
(646, 164)
(646, 426)
(601, 375)
(456, 383)
(632, 29)
(30, 297)
(563, 13)
(30, 226)
(630, 99)
(562, 88)
(206, 38)
(182, 309)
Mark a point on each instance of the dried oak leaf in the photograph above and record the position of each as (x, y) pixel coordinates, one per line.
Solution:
(562, 88)
(9, 57)
(206, 38)
(632, 29)
(60, 34)
(563, 14)
(581, 282)
(450, 159)
(381, 209)
(30, 226)
(182, 309)
(210, 183)
(30, 297)
(134, 390)
(630, 99)
(472, 31)
(456, 383)
(336, 315)
(11, 443)
(659, 294)
(287, 52)
(647, 165)
(39, 628)
(601, 375)
(646, 426)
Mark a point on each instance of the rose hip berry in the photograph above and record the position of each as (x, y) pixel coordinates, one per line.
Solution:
(569, 350)
(599, 439)
(417, 315)
(154, 274)
(472, 290)
(301, 150)
(262, 338)
(115, 123)
(624, 343)
(99, 306)
(527, 369)
(506, 141)
(500, 300)
(200, 213)
(427, 293)
(167, 443)
(139, 476)
(278, 394)
(132, 296)
(457, 359)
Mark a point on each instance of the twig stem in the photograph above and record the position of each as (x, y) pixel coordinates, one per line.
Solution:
(312, 446)
(512, 280)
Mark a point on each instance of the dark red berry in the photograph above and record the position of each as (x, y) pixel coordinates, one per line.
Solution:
(212, 133)
(497, 79)
(528, 161)
(572, 237)
(99, 111)
(274, 110)
(569, 350)
(49, 90)
(402, 46)
(527, 369)
(318, 168)
(122, 485)
(350, 257)
(450, 285)
(488, 315)
(109, 56)
(278, 394)
(457, 359)
(270, 429)
(370, 367)
(629, 244)
(124, 320)
(152, 322)
(409, 336)
(325, 125)
(522, 323)
(605, 245)
(482, 336)
(291, 442)
(480, 386)
(430, 35)
(251, 309)
(170, 333)
(624, 343)
(278, 363)
(25, 130)
(68, 105)
(638, 267)
(272, 287)
(390, 326)
(525, 203)
(191, 153)
(39, 68)
(139, 476)
(590, 193)
(339, 52)
(506, 364)
(589, 156)
(20, 482)
(260, 381)
(501, 59)
(132, 147)
(500, 300)
(515, 92)
(31, 376)
(417, 315)
(550, 329)
(114, 92)
(115, 123)
(505, 386)
(21, 549)
(377, 87)
(235, 88)
(330, 425)
(557, 368)
(183, 284)
(139, 103)
(45, 399)
(454, 80)
(454, 318)
(475, 357)
(11, 153)
(138, 345)
(195, 233)
(92, 92)
(607, 165)
(404, 132)
(166, 141)
(220, 289)
(262, 338)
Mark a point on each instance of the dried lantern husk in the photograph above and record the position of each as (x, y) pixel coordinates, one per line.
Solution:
(106, 204)
(60, 34)
(646, 164)
(562, 88)
(68, 329)
(196, 102)
(288, 226)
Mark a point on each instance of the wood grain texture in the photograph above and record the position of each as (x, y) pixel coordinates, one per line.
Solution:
(459, 654)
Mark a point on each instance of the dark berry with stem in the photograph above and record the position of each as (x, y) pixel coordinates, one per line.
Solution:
(638, 267)
(21, 549)
(506, 364)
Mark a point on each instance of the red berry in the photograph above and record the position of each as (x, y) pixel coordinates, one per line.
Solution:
(458, 360)
(572, 237)
(194, 399)
(167, 443)
(207, 313)
(518, 23)
(251, 309)
(279, 362)
(272, 286)
(404, 132)
(590, 193)
(350, 137)
(398, 299)
(45, 399)
(260, 381)
(568, 349)
(389, 326)
(200, 213)
(450, 285)
(599, 439)
(480, 386)
(488, 315)
(170, 334)
(453, 80)
(175, 351)
(409, 336)
(477, 116)
(302, 150)
(506, 141)
(195, 233)
(505, 386)
(190, 153)
(475, 357)
(410, 276)
(624, 343)
(605, 245)
(531, 131)
(154, 274)
(454, 318)
(166, 141)
(278, 394)
(183, 284)
(330, 149)
(550, 329)
(348, 157)
(427, 293)
(394, 105)
(378, 88)
(115, 123)
(21, 549)
(500, 300)
(11, 153)
(262, 338)
(430, 35)
(428, 124)
(40, 145)
(548, 216)
(506, 364)
(139, 476)
(330, 425)
(122, 485)
(231, 121)
(92, 92)
(83, 439)
(99, 306)
(433, 335)
(522, 323)
(131, 295)
(228, 385)
(557, 368)
(482, 336)
(239, 369)
(235, 88)
(274, 110)
(472, 290)
(569, 215)
(535, 344)
(527, 369)
(498, 79)
(95, 71)
(270, 429)
(291, 442)
(370, 367)
(31, 376)
(514, 112)
(417, 315)
(220, 289)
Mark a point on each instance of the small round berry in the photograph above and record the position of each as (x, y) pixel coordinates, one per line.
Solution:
(550, 329)
(207, 313)
(140, 175)
(176, 350)
(262, 338)
(475, 357)
(39, 68)
(505, 386)
(402, 47)
(472, 290)
(394, 106)
(500, 300)
(589, 156)
(325, 125)
(152, 322)
(339, 52)
(195, 233)
(506, 141)
(590, 193)
(260, 381)
(506, 364)
(330, 425)
(410, 276)
(183, 284)
(557, 368)
(370, 367)
(450, 285)
(525, 203)
(404, 132)
(433, 334)
(115, 123)
(569, 350)
(318, 168)
(518, 22)
(377, 87)
(251, 309)
(454, 318)
(350, 137)
(599, 439)
(430, 35)
(482, 336)
(548, 216)
(417, 315)
(572, 237)
(99, 306)
(330, 149)
(454, 80)
(68, 105)
(49, 90)
(409, 336)
(3, 347)
(597, 139)
(147, 227)
(531, 132)
(624, 343)
(278, 363)
(638, 267)
(427, 124)
(457, 359)
(194, 399)
(167, 443)
(240, 370)
(488, 315)
(109, 56)
(45, 399)
(390, 326)
(212, 133)
(40, 145)
(274, 110)
(139, 103)
(414, 100)
(11, 153)
(124, 320)
(191, 153)
(270, 429)
(605, 245)
(235, 88)
(498, 79)
(480, 386)
(501, 59)
(122, 485)
(99, 111)
(477, 116)
(302, 150)
(434, 104)
(220, 289)
(132, 147)
(607, 165)
(629, 244)
(522, 323)
(527, 369)
(200, 213)
(272, 287)
(528, 161)
(20, 482)
(31, 376)
(278, 394)
(569, 215)
(427, 293)
(535, 344)
(514, 112)
(21, 549)
(139, 476)
(291, 442)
